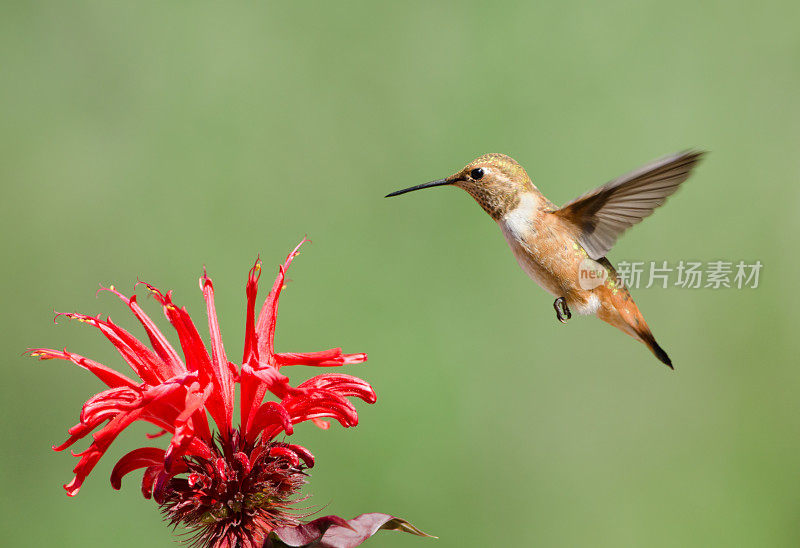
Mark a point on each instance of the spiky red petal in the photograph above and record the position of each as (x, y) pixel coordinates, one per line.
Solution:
(176, 394)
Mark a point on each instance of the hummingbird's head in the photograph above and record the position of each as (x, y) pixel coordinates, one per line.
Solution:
(494, 180)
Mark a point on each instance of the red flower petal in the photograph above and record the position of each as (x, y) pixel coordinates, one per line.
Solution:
(144, 363)
(343, 385)
(325, 358)
(270, 414)
(138, 458)
(265, 328)
(149, 478)
(185, 424)
(251, 292)
(254, 384)
(291, 456)
(221, 374)
(168, 355)
(108, 376)
(315, 405)
(301, 452)
(106, 435)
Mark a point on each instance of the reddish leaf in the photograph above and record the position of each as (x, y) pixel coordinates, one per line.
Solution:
(334, 532)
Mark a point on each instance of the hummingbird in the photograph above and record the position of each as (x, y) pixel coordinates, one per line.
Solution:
(564, 249)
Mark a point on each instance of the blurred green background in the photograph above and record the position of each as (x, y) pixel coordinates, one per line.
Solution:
(149, 139)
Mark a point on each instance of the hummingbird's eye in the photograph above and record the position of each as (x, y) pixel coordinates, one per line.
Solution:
(476, 173)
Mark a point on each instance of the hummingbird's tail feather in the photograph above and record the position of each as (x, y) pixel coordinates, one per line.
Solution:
(625, 315)
(650, 341)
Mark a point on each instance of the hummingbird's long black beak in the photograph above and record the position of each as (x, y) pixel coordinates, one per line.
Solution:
(439, 182)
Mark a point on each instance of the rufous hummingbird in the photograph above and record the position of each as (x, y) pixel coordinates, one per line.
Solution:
(564, 249)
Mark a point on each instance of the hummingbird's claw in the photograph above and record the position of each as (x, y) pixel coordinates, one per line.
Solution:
(562, 310)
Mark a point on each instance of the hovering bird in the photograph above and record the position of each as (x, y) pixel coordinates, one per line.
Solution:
(564, 249)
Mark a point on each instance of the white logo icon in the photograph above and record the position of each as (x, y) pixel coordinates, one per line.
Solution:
(591, 274)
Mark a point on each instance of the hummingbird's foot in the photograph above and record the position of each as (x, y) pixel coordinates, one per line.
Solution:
(562, 310)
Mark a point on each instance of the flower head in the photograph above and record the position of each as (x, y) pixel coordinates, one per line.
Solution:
(231, 485)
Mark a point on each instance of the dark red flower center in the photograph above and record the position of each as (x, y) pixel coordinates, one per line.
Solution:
(237, 497)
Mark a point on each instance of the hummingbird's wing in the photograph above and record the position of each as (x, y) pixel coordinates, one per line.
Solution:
(601, 215)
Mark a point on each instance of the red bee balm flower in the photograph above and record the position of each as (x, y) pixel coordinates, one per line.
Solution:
(234, 487)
